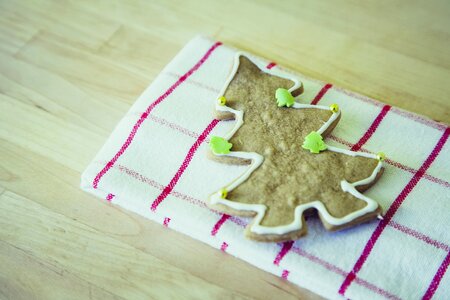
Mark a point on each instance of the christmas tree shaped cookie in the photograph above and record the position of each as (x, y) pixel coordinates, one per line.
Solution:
(291, 169)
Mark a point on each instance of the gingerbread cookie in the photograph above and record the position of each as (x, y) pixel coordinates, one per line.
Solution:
(292, 171)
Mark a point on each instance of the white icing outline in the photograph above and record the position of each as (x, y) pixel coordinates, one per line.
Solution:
(257, 159)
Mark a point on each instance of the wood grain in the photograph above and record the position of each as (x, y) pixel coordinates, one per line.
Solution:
(69, 70)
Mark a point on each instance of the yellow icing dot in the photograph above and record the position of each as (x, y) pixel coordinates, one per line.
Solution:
(223, 193)
(222, 100)
(381, 156)
(334, 108)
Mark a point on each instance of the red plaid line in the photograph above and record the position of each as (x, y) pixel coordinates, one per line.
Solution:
(437, 278)
(149, 109)
(285, 274)
(284, 250)
(219, 224)
(168, 189)
(372, 128)
(224, 247)
(321, 93)
(271, 65)
(418, 235)
(193, 82)
(166, 222)
(174, 126)
(391, 212)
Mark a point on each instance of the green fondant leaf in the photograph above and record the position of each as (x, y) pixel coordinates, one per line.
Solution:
(314, 142)
(284, 97)
(219, 145)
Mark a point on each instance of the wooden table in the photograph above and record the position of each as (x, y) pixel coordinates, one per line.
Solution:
(69, 72)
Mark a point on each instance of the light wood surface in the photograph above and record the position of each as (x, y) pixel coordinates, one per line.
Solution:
(70, 70)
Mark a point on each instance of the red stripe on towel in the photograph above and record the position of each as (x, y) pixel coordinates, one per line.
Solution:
(271, 65)
(419, 235)
(168, 189)
(166, 222)
(372, 128)
(219, 224)
(437, 278)
(321, 93)
(285, 274)
(224, 246)
(284, 250)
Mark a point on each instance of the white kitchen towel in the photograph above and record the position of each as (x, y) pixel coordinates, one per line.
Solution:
(154, 163)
